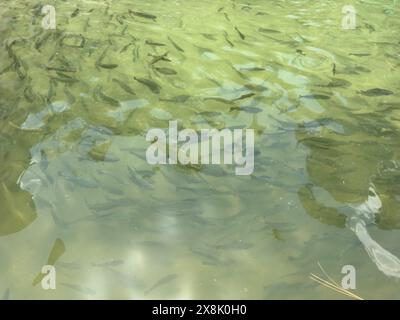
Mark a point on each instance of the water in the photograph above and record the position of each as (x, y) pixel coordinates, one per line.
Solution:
(76, 190)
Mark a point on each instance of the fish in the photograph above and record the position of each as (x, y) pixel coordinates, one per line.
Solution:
(277, 234)
(316, 97)
(152, 85)
(78, 180)
(124, 86)
(108, 65)
(235, 245)
(375, 92)
(177, 99)
(245, 96)
(242, 36)
(139, 180)
(161, 282)
(159, 58)
(143, 15)
(126, 47)
(336, 83)
(75, 13)
(108, 99)
(111, 263)
(266, 30)
(152, 43)
(61, 69)
(166, 71)
(219, 99)
(359, 54)
(118, 203)
(175, 45)
(226, 36)
(65, 79)
(246, 109)
(70, 97)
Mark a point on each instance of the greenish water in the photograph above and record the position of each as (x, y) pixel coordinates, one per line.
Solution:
(76, 191)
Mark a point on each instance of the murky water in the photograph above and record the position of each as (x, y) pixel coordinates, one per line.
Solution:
(77, 192)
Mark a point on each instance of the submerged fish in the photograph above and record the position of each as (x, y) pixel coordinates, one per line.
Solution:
(316, 97)
(176, 45)
(108, 65)
(242, 36)
(143, 15)
(108, 99)
(124, 86)
(177, 99)
(265, 30)
(111, 263)
(166, 71)
(161, 282)
(75, 13)
(376, 92)
(152, 85)
(139, 180)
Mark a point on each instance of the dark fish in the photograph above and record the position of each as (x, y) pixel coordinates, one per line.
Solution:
(118, 203)
(161, 282)
(42, 40)
(70, 97)
(376, 92)
(219, 99)
(266, 30)
(175, 45)
(143, 15)
(246, 109)
(139, 180)
(235, 245)
(336, 83)
(178, 99)
(78, 180)
(126, 47)
(360, 54)
(75, 13)
(107, 99)
(61, 69)
(159, 58)
(245, 96)
(65, 79)
(166, 71)
(108, 65)
(152, 43)
(227, 39)
(111, 263)
(124, 86)
(209, 36)
(242, 36)
(315, 97)
(153, 86)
